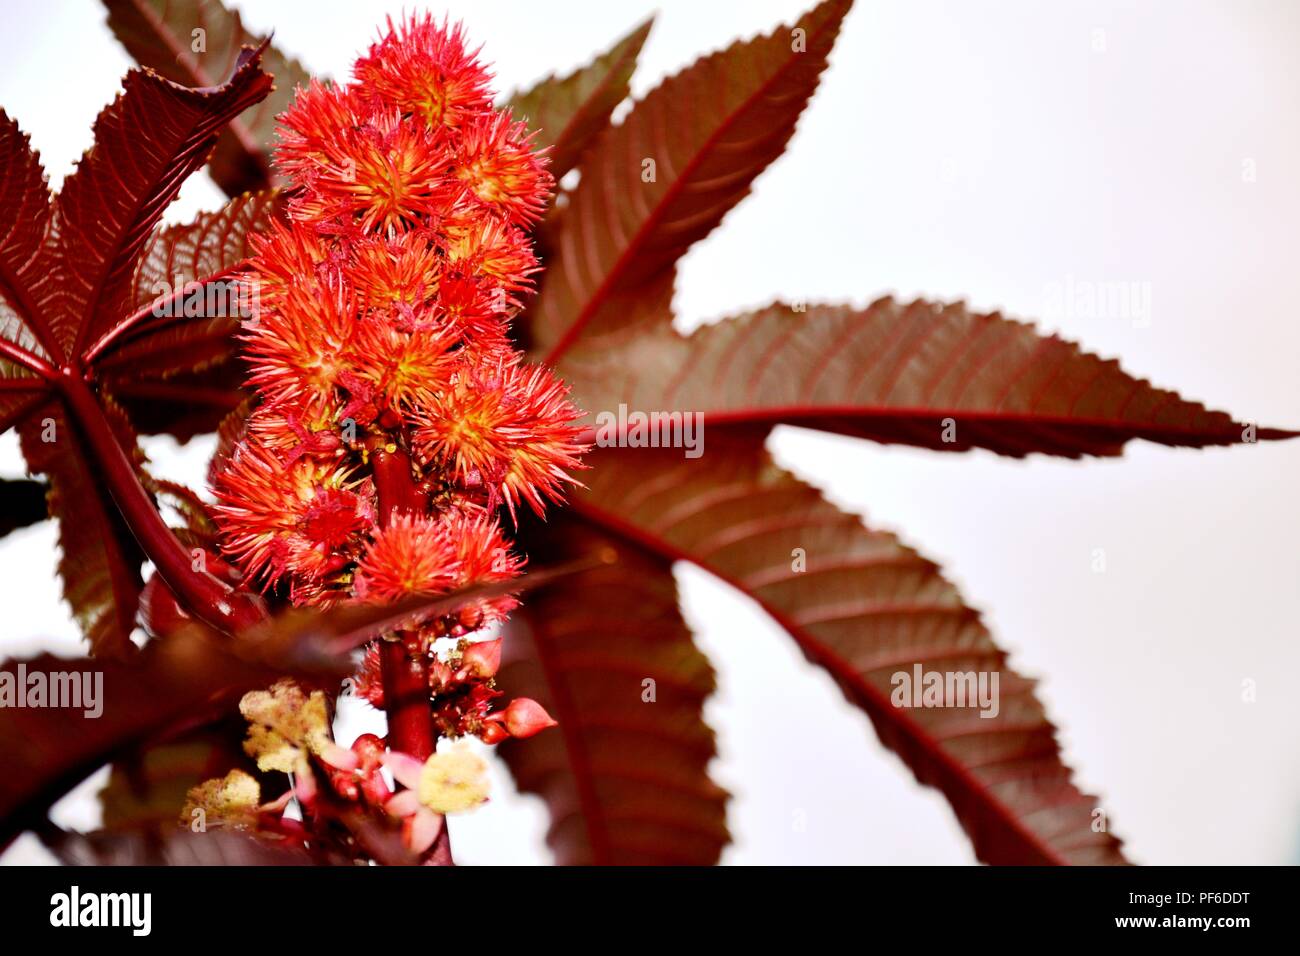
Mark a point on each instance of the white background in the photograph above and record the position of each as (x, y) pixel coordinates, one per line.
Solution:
(983, 150)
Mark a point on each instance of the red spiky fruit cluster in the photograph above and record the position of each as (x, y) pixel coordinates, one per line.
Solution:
(394, 418)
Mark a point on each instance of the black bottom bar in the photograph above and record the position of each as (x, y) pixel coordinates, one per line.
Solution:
(220, 906)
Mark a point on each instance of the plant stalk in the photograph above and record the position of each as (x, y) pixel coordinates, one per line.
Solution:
(208, 599)
(403, 666)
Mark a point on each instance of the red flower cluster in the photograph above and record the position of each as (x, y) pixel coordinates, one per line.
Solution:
(394, 417)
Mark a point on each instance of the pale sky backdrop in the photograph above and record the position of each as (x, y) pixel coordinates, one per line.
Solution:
(981, 150)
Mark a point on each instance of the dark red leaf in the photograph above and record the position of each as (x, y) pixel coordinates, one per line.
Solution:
(66, 280)
(176, 372)
(185, 405)
(186, 301)
(568, 113)
(146, 144)
(625, 777)
(24, 218)
(922, 373)
(160, 34)
(865, 608)
(178, 847)
(708, 131)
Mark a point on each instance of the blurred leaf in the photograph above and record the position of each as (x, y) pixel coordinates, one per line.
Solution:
(865, 608)
(185, 681)
(161, 34)
(666, 176)
(626, 778)
(48, 750)
(938, 376)
(568, 113)
(147, 789)
(179, 847)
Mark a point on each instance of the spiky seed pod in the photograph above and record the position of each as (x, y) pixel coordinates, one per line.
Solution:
(382, 335)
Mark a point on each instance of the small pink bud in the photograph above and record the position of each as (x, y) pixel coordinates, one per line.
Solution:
(345, 784)
(525, 717)
(493, 733)
(370, 749)
(440, 676)
(483, 659)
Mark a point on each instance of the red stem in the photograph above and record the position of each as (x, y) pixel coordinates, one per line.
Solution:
(402, 660)
(211, 601)
(406, 696)
(34, 363)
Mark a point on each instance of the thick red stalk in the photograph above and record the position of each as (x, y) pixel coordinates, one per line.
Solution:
(402, 661)
(205, 597)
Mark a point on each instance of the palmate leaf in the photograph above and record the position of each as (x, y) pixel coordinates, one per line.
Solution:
(66, 271)
(100, 564)
(625, 773)
(864, 608)
(146, 144)
(176, 372)
(212, 246)
(160, 34)
(666, 175)
(68, 265)
(868, 607)
(920, 373)
(568, 112)
(24, 219)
